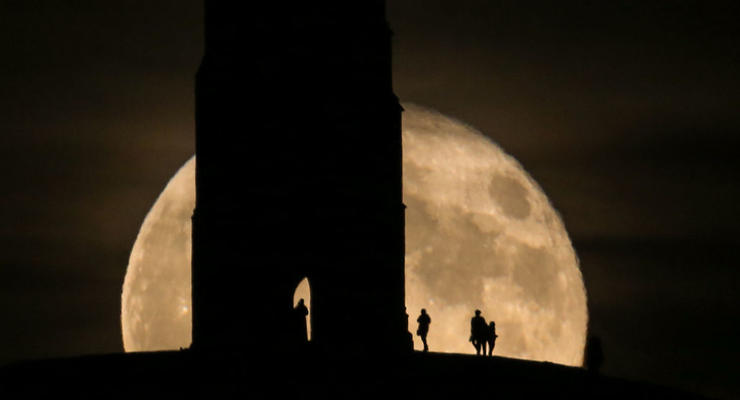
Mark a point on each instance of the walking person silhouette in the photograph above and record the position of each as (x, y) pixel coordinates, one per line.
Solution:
(424, 320)
(478, 333)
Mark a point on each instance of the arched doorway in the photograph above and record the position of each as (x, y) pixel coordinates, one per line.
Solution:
(303, 291)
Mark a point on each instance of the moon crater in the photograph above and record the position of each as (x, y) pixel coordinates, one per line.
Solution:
(511, 196)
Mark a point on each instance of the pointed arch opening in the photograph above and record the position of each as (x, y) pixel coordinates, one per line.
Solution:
(303, 291)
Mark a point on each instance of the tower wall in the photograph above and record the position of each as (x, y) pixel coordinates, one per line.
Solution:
(298, 174)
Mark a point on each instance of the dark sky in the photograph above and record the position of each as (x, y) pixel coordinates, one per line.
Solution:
(625, 112)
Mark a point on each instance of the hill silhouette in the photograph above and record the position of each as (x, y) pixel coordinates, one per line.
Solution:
(309, 374)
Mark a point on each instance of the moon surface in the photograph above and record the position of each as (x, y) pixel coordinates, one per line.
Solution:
(480, 234)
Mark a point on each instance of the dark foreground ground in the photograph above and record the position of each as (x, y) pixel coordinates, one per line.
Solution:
(184, 374)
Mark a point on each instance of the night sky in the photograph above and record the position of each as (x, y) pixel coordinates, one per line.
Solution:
(625, 112)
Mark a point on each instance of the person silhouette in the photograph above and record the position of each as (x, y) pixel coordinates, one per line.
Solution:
(300, 311)
(478, 333)
(424, 320)
(594, 357)
(491, 337)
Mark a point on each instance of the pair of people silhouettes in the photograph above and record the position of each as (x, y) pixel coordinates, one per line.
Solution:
(482, 335)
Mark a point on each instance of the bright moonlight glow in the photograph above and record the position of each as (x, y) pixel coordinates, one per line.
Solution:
(480, 233)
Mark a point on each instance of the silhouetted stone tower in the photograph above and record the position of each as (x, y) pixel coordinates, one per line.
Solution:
(298, 175)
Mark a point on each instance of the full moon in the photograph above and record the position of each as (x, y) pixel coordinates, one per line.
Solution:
(480, 234)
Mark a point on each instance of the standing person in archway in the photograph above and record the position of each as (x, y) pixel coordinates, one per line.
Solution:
(300, 311)
(424, 320)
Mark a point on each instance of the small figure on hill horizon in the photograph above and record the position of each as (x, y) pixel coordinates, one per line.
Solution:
(594, 355)
(300, 311)
(491, 338)
(424, 320)
(478, 333)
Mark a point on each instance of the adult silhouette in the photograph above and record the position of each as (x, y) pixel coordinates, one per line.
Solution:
(300, 311)
(424, 320)
(478, 333)
(491, 337)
